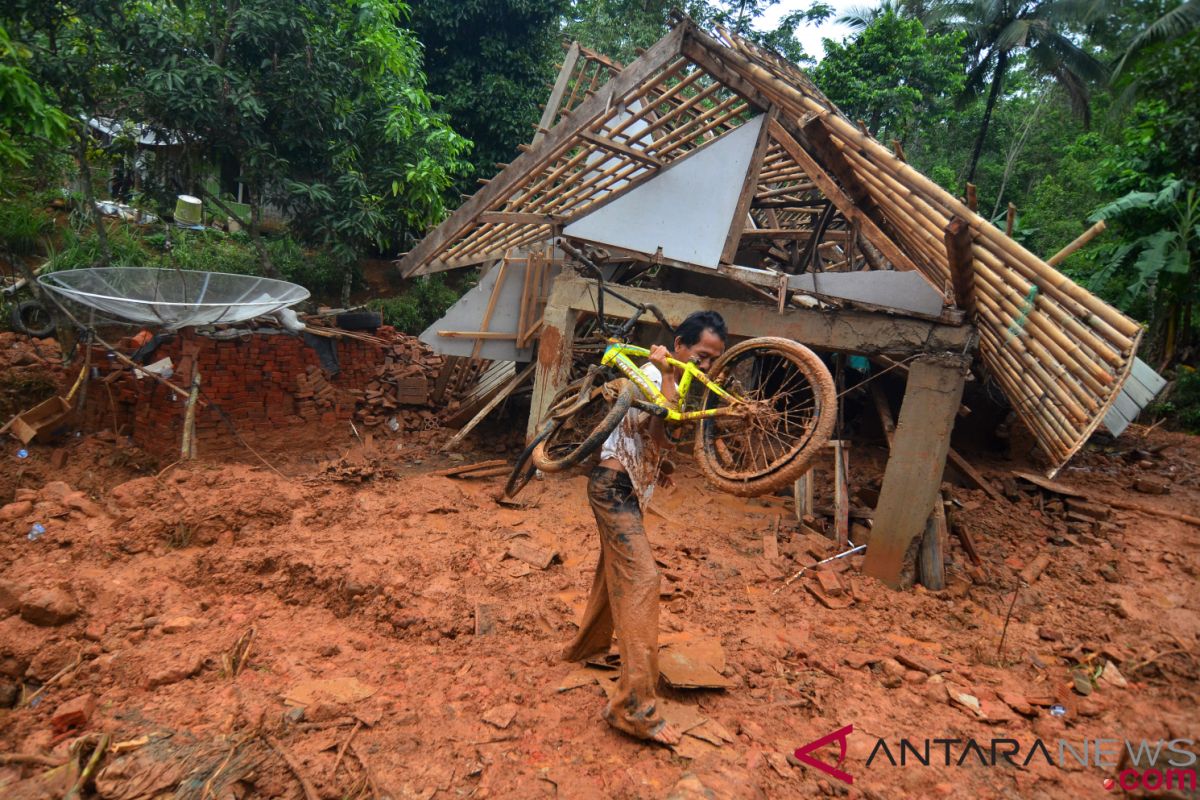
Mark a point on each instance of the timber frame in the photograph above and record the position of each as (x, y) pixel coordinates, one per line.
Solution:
(821, 195)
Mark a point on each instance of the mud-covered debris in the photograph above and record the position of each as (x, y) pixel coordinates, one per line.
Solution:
(501, 716)
(1148, 485)
(531, 554)
(73, 714)
(48, 607)
(184, 667)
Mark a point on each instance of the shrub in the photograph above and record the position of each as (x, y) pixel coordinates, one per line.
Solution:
(22, 227)
(83, 250)
(425, 300)
(1182, 404)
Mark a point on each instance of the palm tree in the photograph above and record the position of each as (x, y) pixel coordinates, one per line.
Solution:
(1179, 21)
(858, 18)
(997, 30)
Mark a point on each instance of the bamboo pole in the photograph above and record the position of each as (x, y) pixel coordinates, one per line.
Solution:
(1080, 241)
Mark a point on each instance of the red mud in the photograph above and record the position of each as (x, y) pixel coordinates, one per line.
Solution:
(372, 588)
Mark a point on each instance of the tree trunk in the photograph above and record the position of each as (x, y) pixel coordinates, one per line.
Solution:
(347, 283)
(997, 81)
(264, 258)
(89, 196)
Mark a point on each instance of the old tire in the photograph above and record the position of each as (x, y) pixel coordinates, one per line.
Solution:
(32, 318)
(581, 434)
(793, 388)
(359, 320)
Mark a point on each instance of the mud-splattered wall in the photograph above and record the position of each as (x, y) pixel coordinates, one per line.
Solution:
(259, 381)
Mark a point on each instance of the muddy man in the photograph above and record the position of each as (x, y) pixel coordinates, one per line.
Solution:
(624, 596)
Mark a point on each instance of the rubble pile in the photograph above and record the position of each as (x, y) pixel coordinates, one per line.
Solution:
(398, 398)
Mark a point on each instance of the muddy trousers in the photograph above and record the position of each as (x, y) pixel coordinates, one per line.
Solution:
(624, 599)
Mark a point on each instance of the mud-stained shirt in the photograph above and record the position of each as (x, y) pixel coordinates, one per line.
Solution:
(632, 445)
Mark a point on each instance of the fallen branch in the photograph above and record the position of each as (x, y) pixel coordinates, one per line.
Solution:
(30, 758)
(54, 678)
(97, 753)
(342, 750)
(309, 792)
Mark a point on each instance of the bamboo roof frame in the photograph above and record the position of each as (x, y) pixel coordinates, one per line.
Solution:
(820, 185)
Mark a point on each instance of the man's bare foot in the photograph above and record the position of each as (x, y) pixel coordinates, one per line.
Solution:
(666, 734)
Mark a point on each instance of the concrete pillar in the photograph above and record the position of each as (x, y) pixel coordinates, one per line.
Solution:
(918, 457)
(554, 356)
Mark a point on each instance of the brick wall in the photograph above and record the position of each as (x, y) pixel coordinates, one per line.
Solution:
(259, 380)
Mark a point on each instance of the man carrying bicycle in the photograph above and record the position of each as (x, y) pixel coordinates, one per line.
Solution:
(624, 595)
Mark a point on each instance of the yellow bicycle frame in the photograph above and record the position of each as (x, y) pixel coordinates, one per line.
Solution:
(619, 355)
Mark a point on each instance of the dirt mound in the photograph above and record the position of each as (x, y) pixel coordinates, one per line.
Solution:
(398, 636)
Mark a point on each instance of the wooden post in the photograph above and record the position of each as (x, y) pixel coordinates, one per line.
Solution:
(841, 494)
(961, 262)
(932, 561)
(802, 493)
(914, 470)
(885, 412)
(188, 450)
(554, 356)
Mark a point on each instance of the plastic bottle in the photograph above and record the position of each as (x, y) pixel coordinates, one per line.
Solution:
(36, 532)
(1058, 711)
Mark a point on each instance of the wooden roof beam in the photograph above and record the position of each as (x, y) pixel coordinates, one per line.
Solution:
(583, 117)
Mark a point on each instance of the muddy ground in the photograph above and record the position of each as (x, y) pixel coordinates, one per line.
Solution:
(225, 618)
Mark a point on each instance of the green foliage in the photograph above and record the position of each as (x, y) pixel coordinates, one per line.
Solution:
(29, 120)
(1182, 404)
(422, 304)
(83, 250)
(23, 226)
(894, 75)
(489, 62)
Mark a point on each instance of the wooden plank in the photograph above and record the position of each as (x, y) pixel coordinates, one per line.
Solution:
(617, 148)
(496, 400)
(477, 335)
(841, 329)
(914, 471)
(749, 185)
(550, 112)
(975, 477)
(519, 218)
(849, 209)
(554, 351)
(884, 409)
(833, 160)
(531, 163)
(802, 495)
(962, 263)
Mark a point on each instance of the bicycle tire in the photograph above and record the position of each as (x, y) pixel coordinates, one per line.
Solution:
(782, 424)
(524, 470)
(594, 438)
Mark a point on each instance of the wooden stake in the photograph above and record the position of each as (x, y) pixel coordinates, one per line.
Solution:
(188, 450)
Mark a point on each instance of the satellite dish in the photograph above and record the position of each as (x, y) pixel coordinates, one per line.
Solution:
(174, 298)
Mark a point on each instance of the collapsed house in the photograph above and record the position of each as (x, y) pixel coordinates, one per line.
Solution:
(722, 171)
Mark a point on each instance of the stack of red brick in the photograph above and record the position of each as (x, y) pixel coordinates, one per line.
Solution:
(398, 397)
(260, 381)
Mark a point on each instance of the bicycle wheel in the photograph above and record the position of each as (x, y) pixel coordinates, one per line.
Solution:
(789, 414)
(579, 433)
(524, 469)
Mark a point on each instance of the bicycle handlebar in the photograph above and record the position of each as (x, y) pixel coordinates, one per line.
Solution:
(624, 329)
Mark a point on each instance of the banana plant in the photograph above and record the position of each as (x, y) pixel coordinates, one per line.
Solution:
(1159, 266)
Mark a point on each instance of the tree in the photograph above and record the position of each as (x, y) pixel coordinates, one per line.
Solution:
(489, 61)
(1000, 30)
(28, 117)
(1158, 268)
(892, 74)
(321, 105)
